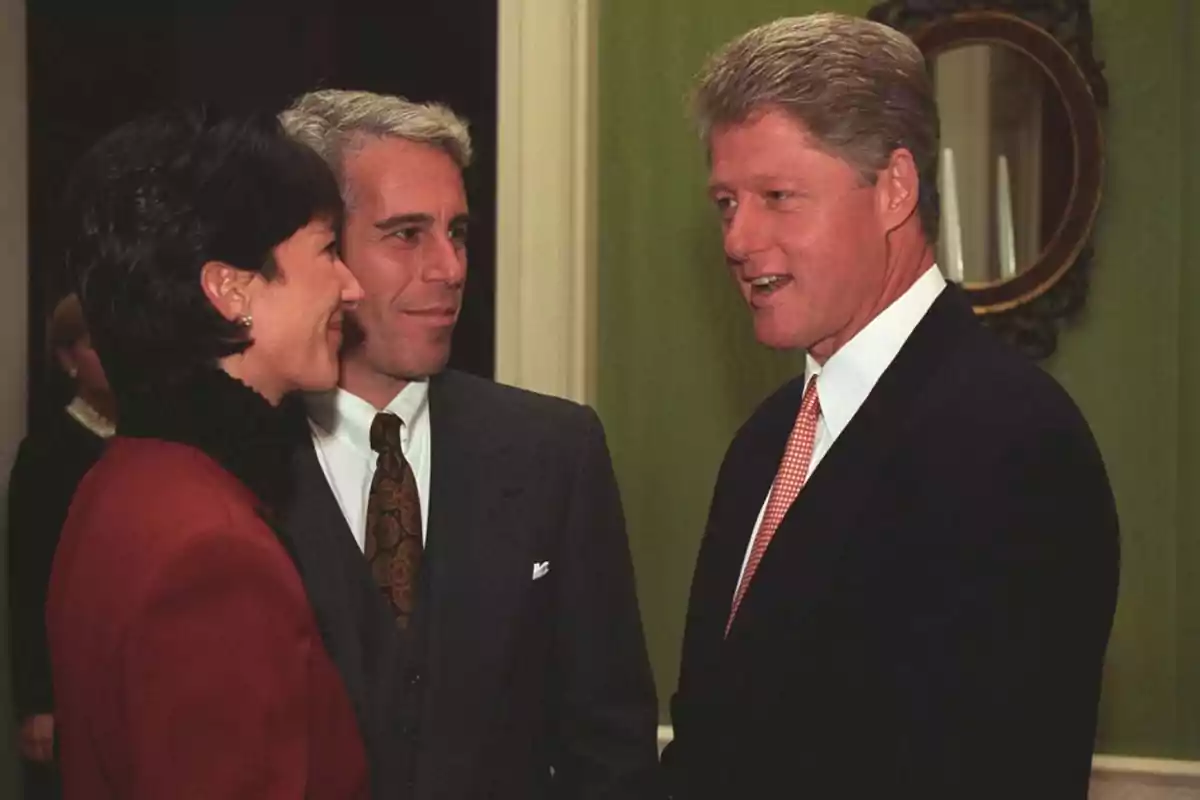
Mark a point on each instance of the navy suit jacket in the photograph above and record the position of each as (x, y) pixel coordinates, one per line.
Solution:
(503, 686)
(931, 617)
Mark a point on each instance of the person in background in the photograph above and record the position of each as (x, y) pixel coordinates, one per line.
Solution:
(187, 662)
(477, 585)
(908, 577)
(61, 447)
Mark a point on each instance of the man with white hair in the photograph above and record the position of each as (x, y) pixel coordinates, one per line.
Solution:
(462, 541)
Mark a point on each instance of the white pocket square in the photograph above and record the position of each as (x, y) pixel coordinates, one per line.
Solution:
(540, 568)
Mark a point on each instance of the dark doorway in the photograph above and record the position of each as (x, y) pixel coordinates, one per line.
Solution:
(93, 66)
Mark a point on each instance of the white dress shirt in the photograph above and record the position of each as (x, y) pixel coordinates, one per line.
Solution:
(341, 427)
(850, 374)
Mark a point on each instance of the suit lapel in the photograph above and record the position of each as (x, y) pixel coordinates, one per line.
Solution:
(747, 476)
(478, 558)
(802, 559)
(343, 597)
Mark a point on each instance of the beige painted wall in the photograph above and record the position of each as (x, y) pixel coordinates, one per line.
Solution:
(13, 305)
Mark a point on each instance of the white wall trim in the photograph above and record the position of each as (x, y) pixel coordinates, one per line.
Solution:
(1113, 776)
(545, 225)
(14, 228)
(1184, 772)
(665, 734)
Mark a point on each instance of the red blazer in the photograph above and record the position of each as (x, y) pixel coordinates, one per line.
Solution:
(186, 658)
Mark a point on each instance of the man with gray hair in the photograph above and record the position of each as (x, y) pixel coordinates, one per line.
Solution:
(908, 576)
(462, 542)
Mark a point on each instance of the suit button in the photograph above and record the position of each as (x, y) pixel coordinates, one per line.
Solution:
(414, 678)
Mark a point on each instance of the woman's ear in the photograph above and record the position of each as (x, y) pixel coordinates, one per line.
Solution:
(227, 288)
(66, 361)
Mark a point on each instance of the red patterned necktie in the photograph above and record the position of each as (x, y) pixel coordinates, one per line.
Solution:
(793, 472)
(393, 541)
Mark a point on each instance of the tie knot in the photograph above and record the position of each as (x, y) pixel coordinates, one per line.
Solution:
(385, 433)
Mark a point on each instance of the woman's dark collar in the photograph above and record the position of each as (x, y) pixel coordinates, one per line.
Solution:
(226, 419)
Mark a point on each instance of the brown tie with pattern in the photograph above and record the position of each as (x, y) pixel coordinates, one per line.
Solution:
(393, 542)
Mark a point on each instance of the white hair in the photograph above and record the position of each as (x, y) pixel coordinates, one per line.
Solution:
(331, 121)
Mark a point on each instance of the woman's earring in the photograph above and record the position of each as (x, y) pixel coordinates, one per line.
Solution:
(73, 372)
(245, 320)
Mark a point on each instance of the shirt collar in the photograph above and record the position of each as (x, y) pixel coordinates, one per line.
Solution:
(348, 417)
(86, 415)
(849, 375)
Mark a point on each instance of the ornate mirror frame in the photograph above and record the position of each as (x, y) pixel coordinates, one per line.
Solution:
(1029, 308)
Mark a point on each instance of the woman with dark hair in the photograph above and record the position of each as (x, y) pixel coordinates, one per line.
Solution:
(187, 660)
(62, 445)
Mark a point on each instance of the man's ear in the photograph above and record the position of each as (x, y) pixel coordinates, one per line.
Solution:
(227, 288)
(898, 188)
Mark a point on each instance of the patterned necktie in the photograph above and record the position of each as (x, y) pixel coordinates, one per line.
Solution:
(393, 542)
(793, 472)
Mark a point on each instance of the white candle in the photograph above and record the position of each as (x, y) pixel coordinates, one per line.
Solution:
(1004, 218)
(951, 225)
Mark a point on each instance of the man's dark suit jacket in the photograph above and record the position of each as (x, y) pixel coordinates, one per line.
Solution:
(931, 616)
(503, 686)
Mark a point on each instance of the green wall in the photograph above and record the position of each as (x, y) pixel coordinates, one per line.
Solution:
(1188, 563)
(679, 369)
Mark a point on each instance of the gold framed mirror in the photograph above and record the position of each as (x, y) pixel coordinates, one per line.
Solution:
(1021, 167)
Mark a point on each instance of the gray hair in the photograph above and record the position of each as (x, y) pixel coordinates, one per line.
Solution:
(333, 121)
(860, 88)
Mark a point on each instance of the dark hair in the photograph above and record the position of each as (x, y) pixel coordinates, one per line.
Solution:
(155, 200)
